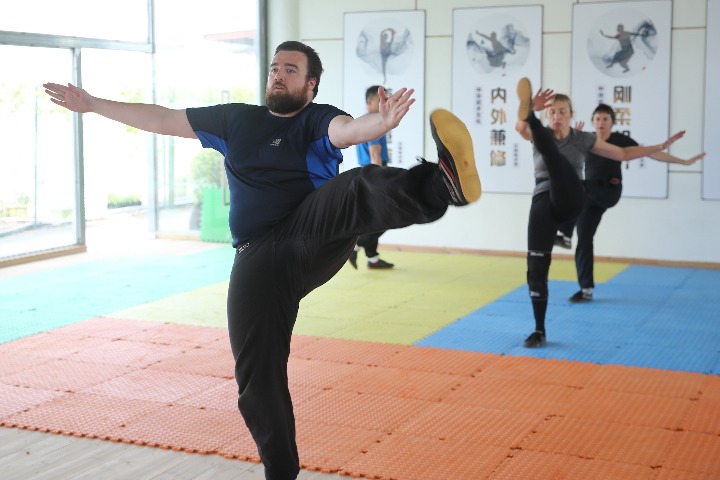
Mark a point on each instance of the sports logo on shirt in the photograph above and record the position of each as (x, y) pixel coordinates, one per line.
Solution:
(276, 142)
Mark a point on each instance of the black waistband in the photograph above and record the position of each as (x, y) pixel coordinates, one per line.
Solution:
(538, 181)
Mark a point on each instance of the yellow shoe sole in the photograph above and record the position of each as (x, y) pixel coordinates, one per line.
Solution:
(454, 143)
(524, 91)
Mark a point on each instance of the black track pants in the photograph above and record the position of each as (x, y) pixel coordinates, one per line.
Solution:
(369, 242)
(562, 203)
(273, 273)
(601, 195)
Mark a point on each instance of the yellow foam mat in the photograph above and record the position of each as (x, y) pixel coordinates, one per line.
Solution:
(422, 294)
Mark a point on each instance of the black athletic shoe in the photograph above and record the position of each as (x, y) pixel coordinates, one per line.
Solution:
(353, 259)
(524, 91)
(580, 297)
(563, 241)
(380, 264)
(456, 157)
(536, 339)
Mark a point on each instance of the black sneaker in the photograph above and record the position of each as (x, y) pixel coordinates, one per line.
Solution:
(536, 339)
(563, 241)
(380, 264)
(524, 91)
(580, 297)
(353, 259)
(456, 157)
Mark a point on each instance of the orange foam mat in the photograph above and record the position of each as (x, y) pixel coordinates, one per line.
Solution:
(473, 424)
(199, 361)
(630, 408)
(710, 387)
(529, 465)
(349, 351)
(650, 381)
(670, 474)
(437, 360)
(516, 395)
(332, 446)
(85, 375)
(399, 456)
(15, 399)
(367, 409)
(703, 416)
(697, 452)
(605, 441)
(361, 410)
(551, 371)
(402, 383)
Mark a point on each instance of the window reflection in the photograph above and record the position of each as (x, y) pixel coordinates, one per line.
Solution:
(210, 60)
(78, 18)
(37, 184)
(203, 56)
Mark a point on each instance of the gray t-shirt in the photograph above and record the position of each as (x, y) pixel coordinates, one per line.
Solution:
(573, 147)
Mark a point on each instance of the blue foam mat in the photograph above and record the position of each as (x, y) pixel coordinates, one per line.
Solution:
(658, 317)
(661, 317)
(40, 301)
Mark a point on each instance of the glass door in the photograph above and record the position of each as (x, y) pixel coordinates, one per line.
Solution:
(201, 58)
(38, 206)
(117, 159)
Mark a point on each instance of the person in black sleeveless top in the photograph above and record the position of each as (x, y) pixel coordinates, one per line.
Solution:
(603, 184)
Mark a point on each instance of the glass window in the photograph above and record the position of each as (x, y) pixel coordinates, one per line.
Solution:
(126, 20)
(117, 157)
(204, 57)
(37, 162)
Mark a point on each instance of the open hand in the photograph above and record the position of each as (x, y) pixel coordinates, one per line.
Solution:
(694, 159)
(394, 107)
(666, 144)
(542, 99)
(71, 97)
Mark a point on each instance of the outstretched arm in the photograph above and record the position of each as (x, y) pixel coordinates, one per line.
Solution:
(345, 131)
(614, 152)
(667, 158)
(148, 117)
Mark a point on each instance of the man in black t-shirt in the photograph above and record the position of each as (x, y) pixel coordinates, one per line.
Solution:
(293, 219)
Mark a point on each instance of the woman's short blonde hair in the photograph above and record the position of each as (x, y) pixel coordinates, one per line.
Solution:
(561, 97)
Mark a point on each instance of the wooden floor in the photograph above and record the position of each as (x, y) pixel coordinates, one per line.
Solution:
(27, 455)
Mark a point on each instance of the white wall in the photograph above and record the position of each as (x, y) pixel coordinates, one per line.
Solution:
(682, 227)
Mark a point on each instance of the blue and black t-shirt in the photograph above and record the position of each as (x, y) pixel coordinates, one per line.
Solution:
(272, 162)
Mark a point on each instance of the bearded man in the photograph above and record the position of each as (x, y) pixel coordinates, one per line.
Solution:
(293, 219)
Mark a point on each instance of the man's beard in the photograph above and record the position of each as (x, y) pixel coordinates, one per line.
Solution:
(285, 102)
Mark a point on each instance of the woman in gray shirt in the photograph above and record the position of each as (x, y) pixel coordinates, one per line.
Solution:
(559, 152)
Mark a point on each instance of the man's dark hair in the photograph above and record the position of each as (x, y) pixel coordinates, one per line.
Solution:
(315, 68)
(371, 92)
(604, 108)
